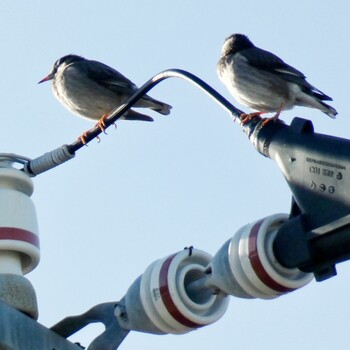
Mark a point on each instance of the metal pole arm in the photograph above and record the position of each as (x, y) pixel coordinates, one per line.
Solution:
(19, 331)
(64, 153)
(110, 339)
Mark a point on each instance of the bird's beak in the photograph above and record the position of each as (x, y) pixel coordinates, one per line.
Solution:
(49, 77)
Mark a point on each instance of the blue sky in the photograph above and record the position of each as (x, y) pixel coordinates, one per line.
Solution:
(191, 178)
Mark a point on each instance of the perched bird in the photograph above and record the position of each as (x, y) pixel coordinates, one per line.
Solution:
(92, 90)
(262, 81)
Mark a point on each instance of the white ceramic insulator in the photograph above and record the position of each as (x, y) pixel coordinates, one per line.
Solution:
(254, 265)
(18, 222)
(166, 301)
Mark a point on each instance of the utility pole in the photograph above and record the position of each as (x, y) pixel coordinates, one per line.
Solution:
(189, 289)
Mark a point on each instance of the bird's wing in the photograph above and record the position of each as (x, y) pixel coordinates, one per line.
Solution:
(109, 78)
(269, 62)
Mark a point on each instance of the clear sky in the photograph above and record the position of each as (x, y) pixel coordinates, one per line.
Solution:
(192, 178)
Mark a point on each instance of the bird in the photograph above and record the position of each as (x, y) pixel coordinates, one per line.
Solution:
(92, 90)
(263, 82)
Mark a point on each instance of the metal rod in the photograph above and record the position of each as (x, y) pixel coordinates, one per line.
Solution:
(201, 285)
(66, 152)
(170, 73)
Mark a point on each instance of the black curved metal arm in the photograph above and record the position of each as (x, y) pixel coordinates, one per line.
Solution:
(60, 155)
(169, 73)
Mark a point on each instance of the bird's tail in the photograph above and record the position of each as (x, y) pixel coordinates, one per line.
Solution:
(314, 98)
(319, 98)
(133, 115)
(329, 110)
(155, 105)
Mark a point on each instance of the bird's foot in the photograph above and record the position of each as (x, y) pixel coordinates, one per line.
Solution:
(82, 138)
(246, 117)
(102, 123)
(275, 117)
(267, 120)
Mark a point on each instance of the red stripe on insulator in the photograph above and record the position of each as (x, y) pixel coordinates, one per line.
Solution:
(167, 299)
(18, 234)
(256, 262)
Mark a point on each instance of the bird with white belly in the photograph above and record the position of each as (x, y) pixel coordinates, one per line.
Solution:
(262, 81)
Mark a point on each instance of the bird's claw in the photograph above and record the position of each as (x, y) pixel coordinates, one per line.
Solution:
(82, 138)
(246, 117)
(275, 117)
(102, 123)
(267, 120)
